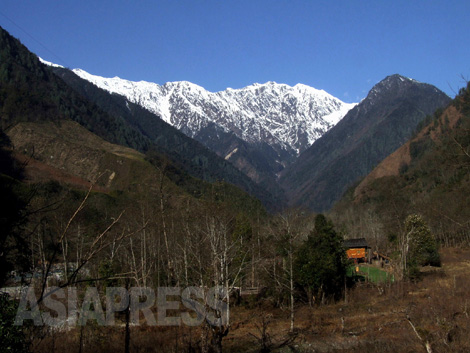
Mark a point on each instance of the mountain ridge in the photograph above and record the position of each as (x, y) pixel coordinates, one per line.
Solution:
(237, 110)
(260, 128)
(370, 131)
(183, 151)
(32, 92)
(428, 175)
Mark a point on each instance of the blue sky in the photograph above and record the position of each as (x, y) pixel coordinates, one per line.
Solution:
(343, 47)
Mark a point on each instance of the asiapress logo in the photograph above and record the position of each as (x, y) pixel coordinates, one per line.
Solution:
(165, 306)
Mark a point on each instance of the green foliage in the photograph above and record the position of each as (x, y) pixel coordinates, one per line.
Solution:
(373, 274)
(427, 121)
(403, 168)
(106, 270)
(419, 147)
(423, 248)
(320, 264)
(243, 229)
(461, 102)
(12, 338)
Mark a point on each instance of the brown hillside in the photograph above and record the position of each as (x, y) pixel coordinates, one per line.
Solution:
(39, 172)
(69, 153)
(391, 165)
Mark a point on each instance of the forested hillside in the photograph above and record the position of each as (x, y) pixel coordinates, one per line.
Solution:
(101, 206)
(183, 151)
(428, 175)
(31, 92)
(84, 211)
(55, 145)
(372, 130)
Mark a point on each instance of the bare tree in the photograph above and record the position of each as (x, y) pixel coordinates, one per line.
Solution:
(288, 229)
(87, 250)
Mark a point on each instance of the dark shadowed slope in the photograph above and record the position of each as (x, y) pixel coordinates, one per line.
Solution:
(31, 92)
(372, 130)
(428, 175)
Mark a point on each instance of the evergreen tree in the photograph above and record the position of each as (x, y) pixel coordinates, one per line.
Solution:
(13, 251)
(320, 264)
(423, 248)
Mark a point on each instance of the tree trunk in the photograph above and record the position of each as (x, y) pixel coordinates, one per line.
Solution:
(127, 338)
(291, 283)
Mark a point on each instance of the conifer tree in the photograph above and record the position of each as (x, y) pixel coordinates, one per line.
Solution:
(423, 249)
(321, 261)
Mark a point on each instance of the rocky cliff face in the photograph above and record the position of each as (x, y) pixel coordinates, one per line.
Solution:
(260, 128)
(289, 117)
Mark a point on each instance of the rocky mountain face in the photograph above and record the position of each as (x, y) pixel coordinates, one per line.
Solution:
(184, 152)
(260, 128)
(372, 130)
(292, 141)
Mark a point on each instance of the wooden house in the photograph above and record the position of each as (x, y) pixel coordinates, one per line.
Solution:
(357, 250)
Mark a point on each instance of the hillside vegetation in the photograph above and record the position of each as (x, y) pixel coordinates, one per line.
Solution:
(429, 175)
(31, 92)
(368, 133)
(186, 153)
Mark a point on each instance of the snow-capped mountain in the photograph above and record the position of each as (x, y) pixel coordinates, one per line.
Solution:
(289, 118)
(260, 129)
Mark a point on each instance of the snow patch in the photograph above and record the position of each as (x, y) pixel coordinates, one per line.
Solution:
(48, 63)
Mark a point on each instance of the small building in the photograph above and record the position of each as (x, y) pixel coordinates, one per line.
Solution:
(357, 249)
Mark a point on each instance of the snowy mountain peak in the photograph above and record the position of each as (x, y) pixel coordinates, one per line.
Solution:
(284, 117)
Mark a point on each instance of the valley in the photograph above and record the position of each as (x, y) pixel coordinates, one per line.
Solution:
(230, 211)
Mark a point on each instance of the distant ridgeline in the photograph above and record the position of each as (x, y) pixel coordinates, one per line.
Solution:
(368, 133)
(31, 92)
(384, 120)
